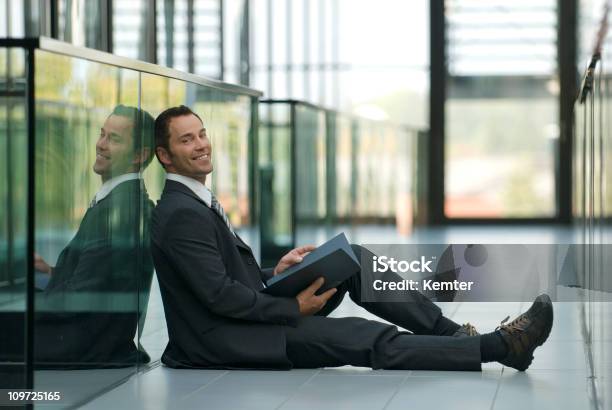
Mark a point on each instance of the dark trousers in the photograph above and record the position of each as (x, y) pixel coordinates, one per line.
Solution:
(320, 341)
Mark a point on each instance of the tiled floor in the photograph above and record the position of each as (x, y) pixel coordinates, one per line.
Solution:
(558, 378)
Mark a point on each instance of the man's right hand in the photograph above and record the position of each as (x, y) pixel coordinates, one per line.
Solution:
(40, 265)
(311, 303)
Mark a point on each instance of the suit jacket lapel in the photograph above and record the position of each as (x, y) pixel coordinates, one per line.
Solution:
(177, 186)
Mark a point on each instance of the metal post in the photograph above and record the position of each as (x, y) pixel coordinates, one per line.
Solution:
(53, 19)
(31, 189)
(150, 32)
(245, 49)
(190, 37)
(169, 31)
(221, 40)
(293, 190)
(106, 26)
(568, 79)
(437, 96)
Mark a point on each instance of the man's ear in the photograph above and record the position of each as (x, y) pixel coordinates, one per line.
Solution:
(163, 155)
(141, 156)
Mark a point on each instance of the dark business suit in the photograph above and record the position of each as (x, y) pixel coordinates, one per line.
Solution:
(88, 314)
(218, 318)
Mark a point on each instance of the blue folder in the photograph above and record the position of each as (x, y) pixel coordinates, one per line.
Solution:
(334, 260)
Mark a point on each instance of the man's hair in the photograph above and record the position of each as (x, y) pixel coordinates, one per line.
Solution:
(142, 134)
(162, 126)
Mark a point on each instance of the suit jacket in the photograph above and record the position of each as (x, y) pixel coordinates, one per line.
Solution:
(88, 314)
(210, 284)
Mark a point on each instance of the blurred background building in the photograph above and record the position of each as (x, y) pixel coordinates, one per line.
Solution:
(497, 62)
(421, 121)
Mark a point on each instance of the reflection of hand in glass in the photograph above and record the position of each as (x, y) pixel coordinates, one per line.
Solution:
(41, 265)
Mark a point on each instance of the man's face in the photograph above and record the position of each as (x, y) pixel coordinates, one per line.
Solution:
(115, 148)
(190, 149)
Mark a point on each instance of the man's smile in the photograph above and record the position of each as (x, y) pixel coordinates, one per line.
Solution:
(202, 157)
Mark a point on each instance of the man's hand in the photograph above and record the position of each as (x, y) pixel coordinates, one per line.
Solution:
(309, 302)
(293, 257)
(40, 265)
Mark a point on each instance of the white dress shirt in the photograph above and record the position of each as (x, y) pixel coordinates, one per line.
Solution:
(196, 186)
(112, 183)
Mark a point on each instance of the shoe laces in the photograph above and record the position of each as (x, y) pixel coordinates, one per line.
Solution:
(470, 329)
(517, 325)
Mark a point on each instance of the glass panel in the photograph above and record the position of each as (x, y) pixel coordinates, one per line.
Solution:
(366, 161)
(129, 28)
(275, 147)
(592, 197)
(13, 217)
(181, 30)
(227, 119)
(310, 168)
(343, 162)
(157, 94)
(404, 176)
(228, 122)
(502, 113)
(80, 22)
(93, 263)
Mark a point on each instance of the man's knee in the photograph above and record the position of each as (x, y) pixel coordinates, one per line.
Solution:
(360, 251)
(356, 250)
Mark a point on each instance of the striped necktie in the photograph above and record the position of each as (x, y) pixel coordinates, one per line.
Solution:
(216, 206)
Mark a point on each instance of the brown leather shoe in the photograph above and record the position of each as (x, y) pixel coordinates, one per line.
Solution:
(526, 332)
(466, 330)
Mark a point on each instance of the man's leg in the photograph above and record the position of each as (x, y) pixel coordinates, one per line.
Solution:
(328, 342)
(319, 341)
(412, 311)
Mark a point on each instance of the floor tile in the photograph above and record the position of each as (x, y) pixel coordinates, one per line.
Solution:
(247, 390)
(447, 390)
(345, 392)
(161, 387)
(76, 386)
(544, 389)
(560, 355)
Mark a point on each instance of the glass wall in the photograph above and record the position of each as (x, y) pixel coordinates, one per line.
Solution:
(592, 196)
(378, 160)
(13, 217)
(276, 181)
(329, 53)
(341, 196)
(310, 174)
(189, 36)
(98, 312)
(501, 109)
(132, 34)
(84, 23)
(324, 172)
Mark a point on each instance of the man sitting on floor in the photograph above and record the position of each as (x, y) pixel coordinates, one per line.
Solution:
(218, 318)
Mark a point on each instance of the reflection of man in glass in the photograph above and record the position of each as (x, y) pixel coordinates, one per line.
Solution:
(88, 313)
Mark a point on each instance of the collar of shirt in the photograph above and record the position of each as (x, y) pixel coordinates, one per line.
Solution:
(112, 183)
(196, 186)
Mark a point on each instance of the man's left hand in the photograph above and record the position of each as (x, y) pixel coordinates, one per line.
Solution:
(293, 257)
